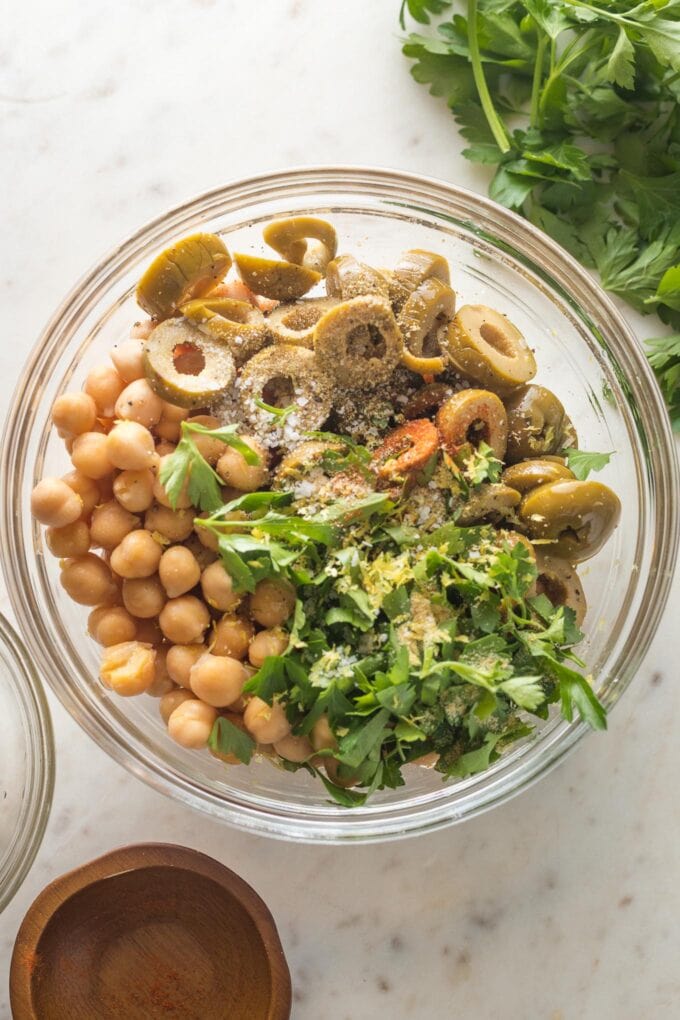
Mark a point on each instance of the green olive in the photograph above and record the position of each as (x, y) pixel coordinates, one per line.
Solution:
(473, 416)
(358, 342)
(189, 268)
(294, 323)
(487, 349)
(237, 324)
(569, 437)
(575, 517)
(535, 423)
(290, 238)
(281, 376)
(416, 266)
(491, 502)
(303, 460)
(282, 281)
(347, 278)
(557, 580)
(529, 474)
(185, 367)
(423, 320)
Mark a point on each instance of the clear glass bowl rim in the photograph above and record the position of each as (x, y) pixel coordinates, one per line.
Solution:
(37, 801)
(358, 825)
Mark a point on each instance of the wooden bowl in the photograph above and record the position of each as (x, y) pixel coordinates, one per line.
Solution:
(148, 932)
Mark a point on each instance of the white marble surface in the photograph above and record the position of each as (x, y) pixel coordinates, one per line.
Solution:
(561, 905)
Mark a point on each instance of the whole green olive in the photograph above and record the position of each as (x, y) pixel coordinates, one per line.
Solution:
(529, 474)
(557, 580)
(535, 423)
(576, 517)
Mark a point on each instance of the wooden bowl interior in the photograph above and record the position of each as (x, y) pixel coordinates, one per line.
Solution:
(157, 942)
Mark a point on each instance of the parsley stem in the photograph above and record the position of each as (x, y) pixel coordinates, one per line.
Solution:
(495, 123)
(536, 84)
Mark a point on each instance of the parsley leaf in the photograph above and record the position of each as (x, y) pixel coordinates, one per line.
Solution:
(420, 10)
(186, 465)
(226, 738)
(582, 462)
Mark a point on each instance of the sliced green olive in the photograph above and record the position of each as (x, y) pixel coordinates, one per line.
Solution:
(418, 265)
(492, 502)
(423, 322)
(535, 423)
(575, 517)
(294, 323)
(529, 474)
(473, 416)
(282, 281)
(189, 268)
(358, 342)
(237, 324)
(557, 580)
(302, 460)
(184, 366)
(290, 238)
(427, 400)
(348, 278)
(569, 437)
(280, 376)
(486, 348)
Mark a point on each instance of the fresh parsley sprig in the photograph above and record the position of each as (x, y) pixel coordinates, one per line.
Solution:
(582, 462)
(576, 106)
(187, 465)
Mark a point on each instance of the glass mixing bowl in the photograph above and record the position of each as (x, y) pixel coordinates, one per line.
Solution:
(585, 352)
(26, 762)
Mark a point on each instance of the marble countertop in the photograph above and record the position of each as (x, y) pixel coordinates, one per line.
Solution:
(560, 905)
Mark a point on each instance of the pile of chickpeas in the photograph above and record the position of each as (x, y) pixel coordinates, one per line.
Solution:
(164, 608)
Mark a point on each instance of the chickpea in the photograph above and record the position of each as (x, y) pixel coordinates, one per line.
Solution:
(71, 540)
(322, 736)
(143, 596)
(149, 632)
(175, 525)
(333, 767)
(266, 643)
(297, 749)
(55, 503)
(209, 448)
(90, 455)
(170, 425)
(237, 473)
(111, 625)
(127, 668)
(143, 330)
(206, 537)
(184, 620)
(180, 660)
(227, 757)
(104, 385)
(73, 413)
(163, 449)
(232, 636)
(137, 555)
(183, 501)
(130, 446)
(86, 488)
(191, 723)
(204, 557)
(110, 524)
(266, 723)
(218, 589)
(127, 358)
(178, 570)
(88, 581)
(162, 682)
(139, 403)
(172, 700)
(217, 679)
(134, 490)
(272, 602)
